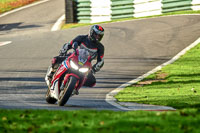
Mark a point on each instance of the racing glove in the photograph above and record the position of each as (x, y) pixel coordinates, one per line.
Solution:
(64, 49)
(95, 68)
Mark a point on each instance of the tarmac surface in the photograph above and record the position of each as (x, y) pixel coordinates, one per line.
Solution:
(132, 48)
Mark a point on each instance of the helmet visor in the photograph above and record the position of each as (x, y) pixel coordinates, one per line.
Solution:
(98, 37)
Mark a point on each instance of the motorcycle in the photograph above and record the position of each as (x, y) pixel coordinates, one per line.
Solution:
(69, 77)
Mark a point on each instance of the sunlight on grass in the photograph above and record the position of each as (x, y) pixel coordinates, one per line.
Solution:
(179, 88)
(88, 121)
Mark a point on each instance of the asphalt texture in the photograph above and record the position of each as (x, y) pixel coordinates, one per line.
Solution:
(132, 48)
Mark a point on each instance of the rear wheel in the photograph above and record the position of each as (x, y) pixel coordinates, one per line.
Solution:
(66, 93)
(49, 99)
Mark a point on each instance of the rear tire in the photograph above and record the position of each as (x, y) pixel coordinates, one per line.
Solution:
(65, 95)
(49, 99)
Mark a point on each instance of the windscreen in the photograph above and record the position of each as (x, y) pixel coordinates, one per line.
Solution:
(83, 55)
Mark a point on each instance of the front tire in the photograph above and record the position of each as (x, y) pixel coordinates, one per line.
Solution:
(69, 87)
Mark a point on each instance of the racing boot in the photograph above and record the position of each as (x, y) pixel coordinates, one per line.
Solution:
(75, 92)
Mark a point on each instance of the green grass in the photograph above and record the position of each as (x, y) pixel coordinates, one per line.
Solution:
(176, 85)
(75, 25)
(19, 121)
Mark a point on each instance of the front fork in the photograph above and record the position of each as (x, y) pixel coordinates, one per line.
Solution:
(66, 79)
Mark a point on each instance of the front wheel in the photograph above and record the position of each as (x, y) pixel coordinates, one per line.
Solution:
(66, 93)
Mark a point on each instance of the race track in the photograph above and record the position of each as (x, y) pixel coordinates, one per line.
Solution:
(132, 48)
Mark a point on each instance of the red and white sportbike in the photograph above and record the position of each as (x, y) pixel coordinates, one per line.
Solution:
(69, 77)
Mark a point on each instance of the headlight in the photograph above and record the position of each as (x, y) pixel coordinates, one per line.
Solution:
(83, 70)
(73, 65)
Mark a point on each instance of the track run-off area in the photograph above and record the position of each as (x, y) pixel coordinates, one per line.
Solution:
(132, 48)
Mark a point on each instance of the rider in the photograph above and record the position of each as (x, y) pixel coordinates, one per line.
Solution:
(90, 42)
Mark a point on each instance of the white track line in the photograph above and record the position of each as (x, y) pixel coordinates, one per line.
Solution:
(58, 23)
(4, 43)
(110, 96)
(27, 6)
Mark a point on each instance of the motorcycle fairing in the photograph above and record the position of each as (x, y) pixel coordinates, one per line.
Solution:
(65, 71)
(55, 87)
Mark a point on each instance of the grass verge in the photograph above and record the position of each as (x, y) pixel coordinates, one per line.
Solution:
(7, 5)
(19, 121)
(176, 85)
(75, 25)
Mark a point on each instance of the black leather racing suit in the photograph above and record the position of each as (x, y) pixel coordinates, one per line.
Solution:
(93, 47)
